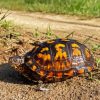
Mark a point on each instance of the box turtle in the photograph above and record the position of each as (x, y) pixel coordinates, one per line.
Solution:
(54, 60)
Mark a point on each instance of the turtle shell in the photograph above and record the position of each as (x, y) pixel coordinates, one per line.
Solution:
(58, 59)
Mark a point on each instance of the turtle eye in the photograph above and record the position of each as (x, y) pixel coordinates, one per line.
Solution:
(14, 60)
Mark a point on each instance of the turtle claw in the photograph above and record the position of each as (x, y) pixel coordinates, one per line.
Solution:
(42, 89)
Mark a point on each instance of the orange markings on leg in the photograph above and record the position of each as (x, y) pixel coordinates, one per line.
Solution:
(59, 75)
(50, 75)
(89, 68)
(81, 71)
(69, 73)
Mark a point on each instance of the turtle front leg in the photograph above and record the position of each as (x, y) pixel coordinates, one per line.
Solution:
(90, 76)
(41, 86)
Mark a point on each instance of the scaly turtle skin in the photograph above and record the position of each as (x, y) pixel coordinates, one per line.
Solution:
(55, 60)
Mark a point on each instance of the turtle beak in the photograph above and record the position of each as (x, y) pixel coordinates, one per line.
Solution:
(16, 60)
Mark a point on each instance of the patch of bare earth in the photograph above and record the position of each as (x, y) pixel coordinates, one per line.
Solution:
(13, 86)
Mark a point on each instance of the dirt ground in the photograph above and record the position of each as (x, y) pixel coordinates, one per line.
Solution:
(13, 86)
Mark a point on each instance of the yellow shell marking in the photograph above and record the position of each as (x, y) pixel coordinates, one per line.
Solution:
(56, 65)
(45, 49)
(44, 56)
(48, 66)
(87, 53)
(33, 68)
(41, 73)
(68, 64)
(30, 62)
(40, 55)
(63, 66)
(76, 52)
(59, 53)
(74, 45)
(64, 54)
(57, 46)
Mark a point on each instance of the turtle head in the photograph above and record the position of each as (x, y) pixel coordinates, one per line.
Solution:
(16, 60)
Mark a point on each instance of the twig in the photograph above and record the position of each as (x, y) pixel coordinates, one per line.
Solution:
(87, 39)
(5, 15)
(70, 34)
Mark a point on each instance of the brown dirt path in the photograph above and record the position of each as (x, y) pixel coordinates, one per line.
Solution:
(14, 87)
(58, 23)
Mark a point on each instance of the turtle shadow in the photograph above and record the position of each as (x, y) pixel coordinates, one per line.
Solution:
(9, 75)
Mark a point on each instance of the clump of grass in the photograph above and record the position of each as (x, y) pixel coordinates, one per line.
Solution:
(6, 24)
(36, 33)
(7, 29)
(95, 47)
(49, 32)
(73, 7)
(46, 35)
(98, 62)
(3, 23)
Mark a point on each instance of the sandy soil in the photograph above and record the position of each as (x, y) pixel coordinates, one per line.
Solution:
(13, 86)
